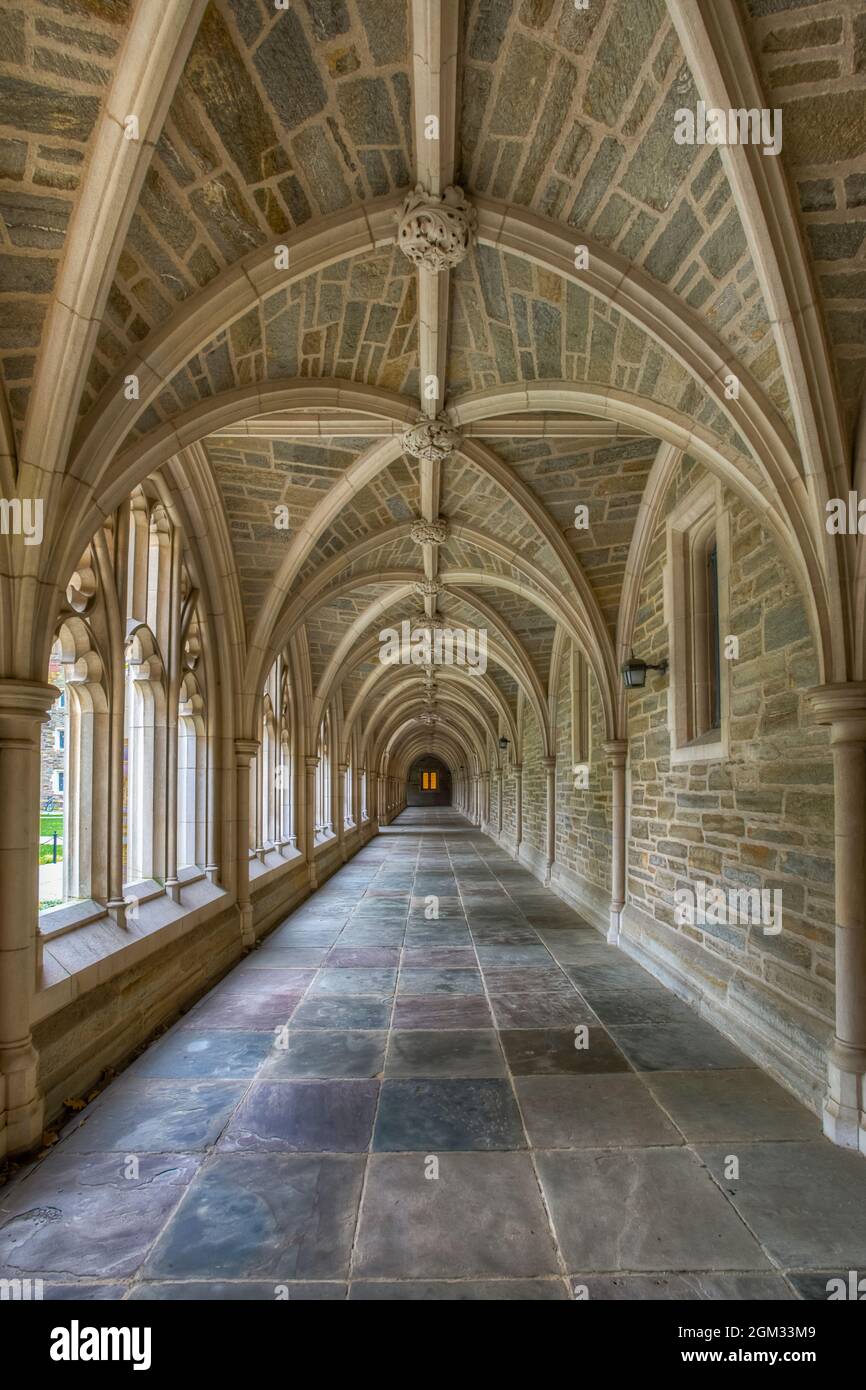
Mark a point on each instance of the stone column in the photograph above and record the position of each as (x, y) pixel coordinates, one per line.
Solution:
(843, 707)
(311, 764)
(499, 802)
(342, 808)
(550, 837)
(245, 750)
(616, 752)
(24, 707)
(518, 808)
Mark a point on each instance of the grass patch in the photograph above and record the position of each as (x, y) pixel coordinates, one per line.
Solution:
(49, 822)
(46, 853)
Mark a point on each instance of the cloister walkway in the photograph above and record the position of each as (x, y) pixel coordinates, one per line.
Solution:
(434, 1081)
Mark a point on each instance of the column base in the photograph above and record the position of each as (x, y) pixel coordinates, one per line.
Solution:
(615, 927)
(245, 915)
(844, 1117)
(118, 908)
(22, 1108)
(211, 873)
(172, 888)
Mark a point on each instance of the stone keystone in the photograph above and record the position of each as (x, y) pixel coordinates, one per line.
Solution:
(436, 232)
(433, 440)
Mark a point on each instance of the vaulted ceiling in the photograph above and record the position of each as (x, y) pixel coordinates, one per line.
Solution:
(281, 342)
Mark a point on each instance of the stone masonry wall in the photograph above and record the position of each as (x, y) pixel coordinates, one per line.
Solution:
(761, 820)
(583, 816)
(534, 785)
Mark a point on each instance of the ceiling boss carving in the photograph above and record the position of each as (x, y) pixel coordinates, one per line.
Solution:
(429, 532)
(431, 440)
(436, 232)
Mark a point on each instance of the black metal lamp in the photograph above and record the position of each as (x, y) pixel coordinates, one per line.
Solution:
(634, 671)
(503, 743)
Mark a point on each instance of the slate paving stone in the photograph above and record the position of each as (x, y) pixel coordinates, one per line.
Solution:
(541, 1011)
(430, 981)
(825, 1286)
(445, 1053)
(303, 1117)
(505, 956)
(441, 1115)
(185, 1053)
(642, 1209)
(376, 984)
(677, 1045)
(376, 956)
(285, 958)
(526, 980)
(570, 945)
(263, 1216)
(623, 1288)
(552, 1052)
(239, 1291)
(731, 1105)
(414, 1228)
(621, 1006)
(373, 935)
(319, 1053)
(155, 1117)
(266, 1145)
(804, 1201)
(460, 1291)
(441, 1011)
(334, 1011)
(439, 957)
(445, 936)
(82, 1215)
(592, 1112)
(82, 1292)
(257, 1008)
(297, 935)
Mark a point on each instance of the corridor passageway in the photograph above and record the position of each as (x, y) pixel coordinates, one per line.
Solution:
(392, 1098)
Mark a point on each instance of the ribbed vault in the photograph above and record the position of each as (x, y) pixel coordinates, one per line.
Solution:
(279, 342)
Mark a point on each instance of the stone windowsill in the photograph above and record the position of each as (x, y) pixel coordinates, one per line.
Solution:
(89, 953)
(709, 748)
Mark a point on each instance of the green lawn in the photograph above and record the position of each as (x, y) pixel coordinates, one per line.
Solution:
(46, 853)
(49, 822)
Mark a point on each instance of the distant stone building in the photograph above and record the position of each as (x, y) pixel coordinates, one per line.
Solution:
(52, 788)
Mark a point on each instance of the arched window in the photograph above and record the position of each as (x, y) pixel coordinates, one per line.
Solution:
(324, 819)
(145, 760)
(143, 808)
(286, 765)
(269, 793)
(348, 816)
(191, 776)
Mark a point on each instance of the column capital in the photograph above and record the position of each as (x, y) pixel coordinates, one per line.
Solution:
(550, 762)
(841, 703)
(26, 700)
(342, 767)
(616, 749)
(311, 762)
(246, 749)
(517, 769)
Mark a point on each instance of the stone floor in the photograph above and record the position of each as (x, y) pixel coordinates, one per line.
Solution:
(382, 1104)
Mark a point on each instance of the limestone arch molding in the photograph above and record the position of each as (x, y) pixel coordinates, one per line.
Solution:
(484, 684)
(355, 231)
(411, 734)
(452, 694)
(818, 571)
(384, 739)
